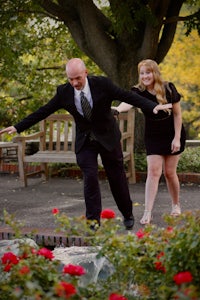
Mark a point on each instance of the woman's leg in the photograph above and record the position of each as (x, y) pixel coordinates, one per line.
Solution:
(154, 171)
(170, 172)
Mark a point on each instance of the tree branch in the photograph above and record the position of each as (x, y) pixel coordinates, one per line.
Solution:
(90, 29)
(175, 19)
(169, 30)
(49, 68)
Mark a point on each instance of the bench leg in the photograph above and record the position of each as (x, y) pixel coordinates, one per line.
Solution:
(1, 157)
(22, 174)
(131, 170)
(21, 165)
(45, 171)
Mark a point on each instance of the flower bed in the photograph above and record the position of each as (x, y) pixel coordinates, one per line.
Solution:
(155, 263)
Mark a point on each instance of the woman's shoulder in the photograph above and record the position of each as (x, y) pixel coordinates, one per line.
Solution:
(169, 86)
(171, 91)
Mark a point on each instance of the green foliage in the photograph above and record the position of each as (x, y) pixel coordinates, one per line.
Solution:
(140, 161)
(145, 264)
(192, 23)
(189, 161)
(149, 260)
(34, 51)
(129, 16)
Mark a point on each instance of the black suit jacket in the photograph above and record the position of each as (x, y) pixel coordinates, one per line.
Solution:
(102, 123)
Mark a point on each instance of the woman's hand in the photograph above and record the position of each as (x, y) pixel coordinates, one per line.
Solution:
(175, 145)
(162, 107)
(122, 107)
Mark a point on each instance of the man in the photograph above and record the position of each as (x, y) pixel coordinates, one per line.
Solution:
(97, 132)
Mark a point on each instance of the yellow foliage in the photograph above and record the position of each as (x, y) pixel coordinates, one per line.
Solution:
(182, 67)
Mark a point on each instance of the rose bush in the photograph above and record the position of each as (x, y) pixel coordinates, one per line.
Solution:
(153, 263)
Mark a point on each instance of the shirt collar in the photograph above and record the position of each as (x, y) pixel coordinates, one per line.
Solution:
(86, 89)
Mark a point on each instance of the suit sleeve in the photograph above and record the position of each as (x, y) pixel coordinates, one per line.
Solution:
(132, 98)
(145, 104)
(40, 114)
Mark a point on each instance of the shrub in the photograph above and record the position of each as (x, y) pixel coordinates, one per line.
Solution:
(153, 263)
(189, 161)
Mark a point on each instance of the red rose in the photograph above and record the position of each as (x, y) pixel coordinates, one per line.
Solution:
(140, 233)
(159, 255)
(55, 211)
(107, 214)
(65, 289)
(159, 266)
(183, 277)
(24, 256)
(33, 251)
(7, 267)
(114, 296)
(170, 229)
(74, 270)
(24, 270)
(9, 258)
(46, 253)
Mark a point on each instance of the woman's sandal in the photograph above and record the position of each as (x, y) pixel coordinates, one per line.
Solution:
(176, 210)
(147, 217)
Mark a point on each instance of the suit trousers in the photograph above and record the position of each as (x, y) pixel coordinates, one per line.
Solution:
(114, 167)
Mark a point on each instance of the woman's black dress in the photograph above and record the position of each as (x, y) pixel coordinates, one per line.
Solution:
(159, 128)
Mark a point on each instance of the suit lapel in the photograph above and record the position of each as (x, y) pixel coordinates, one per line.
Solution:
(70, 100)
(93, 90)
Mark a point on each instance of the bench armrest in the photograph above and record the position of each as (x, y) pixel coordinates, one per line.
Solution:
(21, 138)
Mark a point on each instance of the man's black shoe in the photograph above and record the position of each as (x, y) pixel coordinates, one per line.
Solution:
(93, 225)
(129, 222)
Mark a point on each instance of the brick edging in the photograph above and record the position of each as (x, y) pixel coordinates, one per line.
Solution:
(183, 177)
(10, 168)
(45, 237)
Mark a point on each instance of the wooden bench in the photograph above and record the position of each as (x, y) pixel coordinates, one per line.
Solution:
(57, 143)
(192, 143)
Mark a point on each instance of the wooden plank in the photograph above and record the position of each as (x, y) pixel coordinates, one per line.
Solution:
(52, 156)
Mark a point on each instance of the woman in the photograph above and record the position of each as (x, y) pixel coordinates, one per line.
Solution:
(164, 136)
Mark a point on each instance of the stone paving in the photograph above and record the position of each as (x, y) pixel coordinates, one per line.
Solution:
(32, 205)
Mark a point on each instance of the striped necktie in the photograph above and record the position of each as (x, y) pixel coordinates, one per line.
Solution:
(87, 110)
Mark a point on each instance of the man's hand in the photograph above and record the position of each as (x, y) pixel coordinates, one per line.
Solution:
(161, 107)
(9, 130)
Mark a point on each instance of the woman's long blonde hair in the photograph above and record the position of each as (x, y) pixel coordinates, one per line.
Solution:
(159, 86)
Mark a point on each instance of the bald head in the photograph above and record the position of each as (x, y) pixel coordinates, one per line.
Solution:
(75, 64)
(76, 72)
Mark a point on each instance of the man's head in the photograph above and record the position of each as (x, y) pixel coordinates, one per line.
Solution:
(76, 73)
